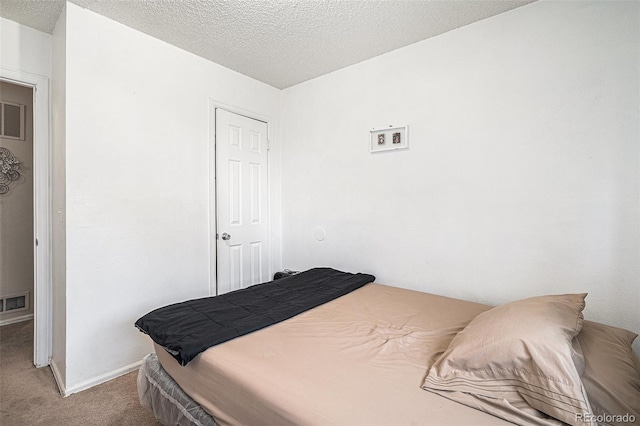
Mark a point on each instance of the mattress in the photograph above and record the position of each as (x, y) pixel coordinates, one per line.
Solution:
(359, 360)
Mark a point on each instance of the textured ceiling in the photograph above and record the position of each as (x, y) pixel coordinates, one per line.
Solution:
(279, 42)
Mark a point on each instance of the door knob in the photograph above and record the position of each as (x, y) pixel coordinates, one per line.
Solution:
(226, 236)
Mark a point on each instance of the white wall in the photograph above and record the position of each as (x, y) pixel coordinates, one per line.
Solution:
(522, 176)
(58, 228)
(137, 184)
(24, 49)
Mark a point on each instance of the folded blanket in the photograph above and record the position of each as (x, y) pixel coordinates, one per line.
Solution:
(188, 328)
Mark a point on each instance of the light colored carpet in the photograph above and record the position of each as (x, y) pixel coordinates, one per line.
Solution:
(30, 396)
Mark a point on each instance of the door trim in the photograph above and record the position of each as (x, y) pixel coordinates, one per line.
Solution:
(42, 342)
(213, 223)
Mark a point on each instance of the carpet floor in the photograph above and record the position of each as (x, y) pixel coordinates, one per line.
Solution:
(30, 396)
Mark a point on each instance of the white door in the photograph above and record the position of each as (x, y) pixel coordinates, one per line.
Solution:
(241, 201)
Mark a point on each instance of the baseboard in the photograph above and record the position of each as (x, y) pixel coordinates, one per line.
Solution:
(57, 376)
(16, 319)
(100, 379)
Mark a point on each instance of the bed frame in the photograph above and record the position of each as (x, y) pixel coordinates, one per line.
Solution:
(167, 401)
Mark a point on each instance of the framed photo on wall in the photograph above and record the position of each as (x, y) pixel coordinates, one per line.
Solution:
(388, 138)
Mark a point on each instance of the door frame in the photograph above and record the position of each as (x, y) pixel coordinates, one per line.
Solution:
(42, 255)
(213, 216)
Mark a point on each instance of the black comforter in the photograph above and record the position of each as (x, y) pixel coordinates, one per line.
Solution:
(188, 328)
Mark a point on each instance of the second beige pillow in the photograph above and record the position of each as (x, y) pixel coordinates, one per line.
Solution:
(519, 352)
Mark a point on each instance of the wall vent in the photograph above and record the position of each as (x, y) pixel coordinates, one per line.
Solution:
(14, 302)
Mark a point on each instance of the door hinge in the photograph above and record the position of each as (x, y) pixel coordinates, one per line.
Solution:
(268, 145)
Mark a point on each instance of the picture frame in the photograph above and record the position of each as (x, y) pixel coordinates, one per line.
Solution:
(388, 138)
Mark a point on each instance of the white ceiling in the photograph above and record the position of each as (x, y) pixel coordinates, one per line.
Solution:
(279, 42)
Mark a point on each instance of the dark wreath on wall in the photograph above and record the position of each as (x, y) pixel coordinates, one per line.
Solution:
(9, 166)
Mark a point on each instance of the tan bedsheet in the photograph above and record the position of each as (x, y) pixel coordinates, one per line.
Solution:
(358, 360)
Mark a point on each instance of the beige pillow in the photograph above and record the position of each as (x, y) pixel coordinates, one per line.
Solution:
(611, 377)
(519, 354)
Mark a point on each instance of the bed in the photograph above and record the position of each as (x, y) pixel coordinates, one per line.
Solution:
(381, 355)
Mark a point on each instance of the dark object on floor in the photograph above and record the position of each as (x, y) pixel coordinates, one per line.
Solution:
(284, 274)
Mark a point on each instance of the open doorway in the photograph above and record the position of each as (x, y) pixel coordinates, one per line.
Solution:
(34, 173)
(17, 259)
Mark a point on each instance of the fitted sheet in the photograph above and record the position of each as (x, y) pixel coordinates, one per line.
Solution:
(358, 360)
